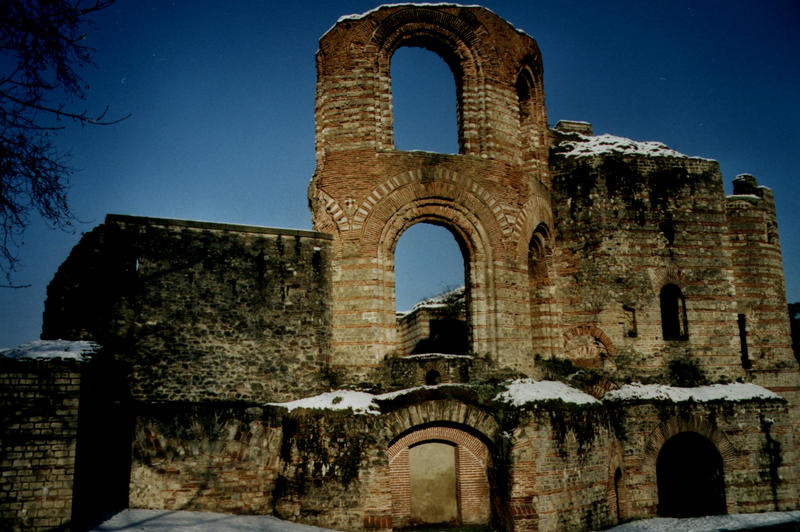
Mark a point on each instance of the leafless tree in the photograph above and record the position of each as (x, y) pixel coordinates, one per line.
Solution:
(42, 49)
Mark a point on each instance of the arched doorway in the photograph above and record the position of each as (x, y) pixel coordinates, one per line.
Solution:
(690, 477)
(439, 475)
(432, 482)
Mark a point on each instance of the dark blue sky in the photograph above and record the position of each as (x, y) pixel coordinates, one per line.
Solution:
(222, 101)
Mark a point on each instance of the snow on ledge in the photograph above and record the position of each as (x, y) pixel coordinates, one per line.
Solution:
(426, 356)
(606, 144)
(523, 391)
(51, 350)
(359, 402)
(701, 394)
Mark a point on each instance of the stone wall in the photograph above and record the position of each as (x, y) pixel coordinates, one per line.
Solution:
(627, 225)
(557, 472)
(211, 456)
(38, 432)
(754, 438)
(200, 311)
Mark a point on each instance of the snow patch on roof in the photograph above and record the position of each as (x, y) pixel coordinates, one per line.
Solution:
(51, 350)
(701, 394)
(523, 391)
(605, 144)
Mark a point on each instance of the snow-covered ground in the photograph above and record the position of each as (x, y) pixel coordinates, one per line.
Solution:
(163, 521)
(714, 523)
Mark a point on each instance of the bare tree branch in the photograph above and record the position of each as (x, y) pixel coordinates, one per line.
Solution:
(43, 41)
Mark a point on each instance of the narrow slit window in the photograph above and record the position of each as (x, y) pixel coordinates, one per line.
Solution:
(673, 313)
(742, 321)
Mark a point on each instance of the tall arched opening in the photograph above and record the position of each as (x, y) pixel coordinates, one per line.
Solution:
(430, 291)
(690, 477)
(424, 104)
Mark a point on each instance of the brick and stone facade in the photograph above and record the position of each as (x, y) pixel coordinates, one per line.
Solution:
(39, 405)
(593, 262)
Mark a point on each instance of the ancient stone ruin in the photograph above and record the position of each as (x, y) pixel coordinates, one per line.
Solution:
(620, 350)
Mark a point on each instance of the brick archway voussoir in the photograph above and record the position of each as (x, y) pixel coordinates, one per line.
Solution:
(677, 424)
(402, 422)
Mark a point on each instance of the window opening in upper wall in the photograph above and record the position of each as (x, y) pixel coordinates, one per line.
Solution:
(673, 313)
(424, 102)
(741, 320)
(430, 297)
(526, 100)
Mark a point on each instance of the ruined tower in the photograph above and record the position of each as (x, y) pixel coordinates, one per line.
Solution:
(494, 195)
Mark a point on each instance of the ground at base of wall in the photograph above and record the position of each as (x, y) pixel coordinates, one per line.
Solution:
(770, 521)
(165, 520)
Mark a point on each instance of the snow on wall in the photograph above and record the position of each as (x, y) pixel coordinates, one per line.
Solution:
(52, 349)
(518, 393)
(359, 402)
(701, 394)
(524, 391)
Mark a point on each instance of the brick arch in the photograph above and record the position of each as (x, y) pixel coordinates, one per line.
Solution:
(474, 446)
(670, 274)
(438, 366)
(593, 331)
(394, 216)
(589, 355)
(677, 424)
(457, 41)
(417, 183)
(443, 412)
(533, 117)
(616, 494)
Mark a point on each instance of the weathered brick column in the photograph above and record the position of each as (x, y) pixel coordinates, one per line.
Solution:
(491, 196)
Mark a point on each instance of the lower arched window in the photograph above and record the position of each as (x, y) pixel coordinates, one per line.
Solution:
(673, 313)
